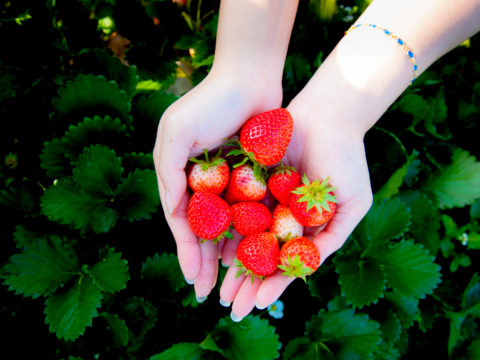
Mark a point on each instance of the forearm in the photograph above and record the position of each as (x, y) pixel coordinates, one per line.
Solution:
(253, 37)
(370, 70)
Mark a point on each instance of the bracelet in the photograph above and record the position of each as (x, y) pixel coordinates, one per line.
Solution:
(399, 41)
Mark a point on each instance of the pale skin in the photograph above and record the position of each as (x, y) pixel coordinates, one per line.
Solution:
(354, 86)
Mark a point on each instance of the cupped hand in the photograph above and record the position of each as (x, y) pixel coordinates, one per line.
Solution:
(320, 148)
(202, 119)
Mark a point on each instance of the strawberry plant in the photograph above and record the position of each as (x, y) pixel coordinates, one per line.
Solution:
(88, 265)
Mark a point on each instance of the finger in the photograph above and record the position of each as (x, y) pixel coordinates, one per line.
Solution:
(245, 299)
(207, 276)
(271, 289)
(230, 248)
(230, 286)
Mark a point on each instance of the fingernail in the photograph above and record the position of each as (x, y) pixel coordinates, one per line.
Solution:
(201, 299)
(260, 307)
(168, 202)
(224, 265)
(190, 282)
(235, 318)
(225, 303)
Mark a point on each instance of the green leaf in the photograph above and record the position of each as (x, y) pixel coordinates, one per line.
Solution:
(41, 268)
(436, 116)
(90, 95)
(142, 317)
(458, 184)
(164, 266)
(406, 307)
(348, 335)
(98, 170)
(474, 350)
(409, 268)
(471, 295)
(118, 327)
(68, 205)
(252, 338)
(70, 311)
(150, 108)
(53, 158)
(184, 351)
(362, 281)
(414, 105)
(302, 348)
(137, 197)
(391, 327)
(385, 220)
(393, 184)
(111, 273)
(133, 161)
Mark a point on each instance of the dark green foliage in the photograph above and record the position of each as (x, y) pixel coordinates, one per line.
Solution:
(87, 262)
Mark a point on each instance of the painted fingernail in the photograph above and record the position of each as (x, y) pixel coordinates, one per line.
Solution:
(260, 307)
(168, 202)
(224, 265)
(201, 299)
(235, 317)
(225, 303)
(190, 282)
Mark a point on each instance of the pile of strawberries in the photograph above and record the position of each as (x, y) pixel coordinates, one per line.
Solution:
(228, 193)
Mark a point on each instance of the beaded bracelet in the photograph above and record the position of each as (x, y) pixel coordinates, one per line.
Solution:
(399, 41)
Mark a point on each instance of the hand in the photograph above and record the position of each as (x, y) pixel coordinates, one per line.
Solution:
(202, 119)
(319, 148)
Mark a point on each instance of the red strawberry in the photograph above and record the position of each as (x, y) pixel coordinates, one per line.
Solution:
(299, 257)
(282, 181)
(284, 225)
(209, 216)
(314, 203)
(244, 186)
(258, 254)
(267, 135)
(210, 175)
(250, 217)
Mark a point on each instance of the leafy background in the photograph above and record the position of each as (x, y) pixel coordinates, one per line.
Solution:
(88, 265)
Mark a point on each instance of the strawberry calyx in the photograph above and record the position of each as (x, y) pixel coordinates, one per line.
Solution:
(294, 267)
(208, 162)
(316, 193)
(259, 170)
(226, 234)
(282, 169)
(247, 272)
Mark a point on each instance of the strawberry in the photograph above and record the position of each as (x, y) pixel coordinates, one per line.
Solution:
(264, 138)
(210, 175)
(299, 257)
(245, 186)
(282, 181)
(284, 225)
(209, 216)
(257, 255)
(250, 217)
(313, 203)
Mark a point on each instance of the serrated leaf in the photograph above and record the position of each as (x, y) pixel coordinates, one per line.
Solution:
(409, 268)
(406, 307)
(96, 130)
(70, 311)
(164, 266)
(53, 159)
(150, 108)
(385, 220)
(111, 273)
(90, 95)
(133, 161)
(252, 338)
(137, 197)
(184, 351)
(142, 316)
(41, 268)
(68, 205)
(362, 281)
(471, 295)
(414, 105)
(98, 170)
(348, 335)
(474, 350)
(302, 348)
(436, 115)
(118, 327)
(391, 327)
(458, 184)
(393, 184)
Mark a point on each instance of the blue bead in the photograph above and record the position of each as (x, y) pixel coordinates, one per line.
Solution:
(386, 32)
(415, 67)
(400, 41)
(410, 54)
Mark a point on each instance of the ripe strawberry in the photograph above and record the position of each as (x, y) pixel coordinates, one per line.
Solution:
(209, 216)
(250, 217)
(258, 254)
(210, 175)
(299, 257)
(244, 186)
(282, 181)
(284, 225)
(313, 203)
